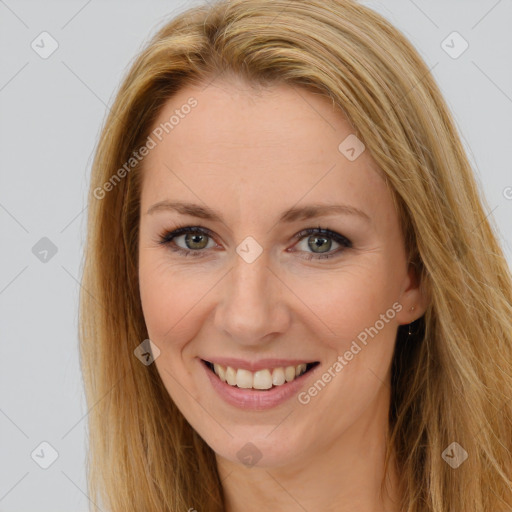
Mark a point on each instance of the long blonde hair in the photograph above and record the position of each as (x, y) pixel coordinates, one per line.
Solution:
(451, 380)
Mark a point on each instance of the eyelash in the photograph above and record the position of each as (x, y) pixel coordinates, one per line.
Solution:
(167, 237)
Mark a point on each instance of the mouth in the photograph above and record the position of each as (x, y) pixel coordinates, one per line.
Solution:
(262, 380)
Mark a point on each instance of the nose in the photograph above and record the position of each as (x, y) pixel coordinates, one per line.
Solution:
(252, 310)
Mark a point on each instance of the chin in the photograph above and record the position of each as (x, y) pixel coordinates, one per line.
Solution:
(263, 446)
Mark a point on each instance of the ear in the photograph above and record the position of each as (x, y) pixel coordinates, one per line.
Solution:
(414, 297)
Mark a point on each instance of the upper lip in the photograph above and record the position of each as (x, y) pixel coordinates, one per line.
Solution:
(260, 364)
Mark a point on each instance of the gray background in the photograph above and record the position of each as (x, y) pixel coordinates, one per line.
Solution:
(51, 113)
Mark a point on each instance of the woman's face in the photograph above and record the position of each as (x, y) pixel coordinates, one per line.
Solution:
(248, 289)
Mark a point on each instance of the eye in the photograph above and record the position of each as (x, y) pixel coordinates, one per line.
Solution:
(321, 239)
(195, 239)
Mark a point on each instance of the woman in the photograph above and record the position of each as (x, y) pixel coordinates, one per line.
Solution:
(376, 376)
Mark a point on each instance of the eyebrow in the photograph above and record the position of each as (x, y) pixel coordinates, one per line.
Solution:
(291, 215)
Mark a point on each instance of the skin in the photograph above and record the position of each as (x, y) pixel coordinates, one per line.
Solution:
(251, 154)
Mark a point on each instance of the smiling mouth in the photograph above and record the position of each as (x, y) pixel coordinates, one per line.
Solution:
(262, 380)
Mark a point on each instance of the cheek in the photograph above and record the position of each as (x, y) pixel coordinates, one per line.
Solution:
(168, 302)
(356, 371)
(356, 311)
(171, 300)
(347, 301)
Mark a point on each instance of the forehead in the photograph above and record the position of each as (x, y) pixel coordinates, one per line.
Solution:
(249, 149)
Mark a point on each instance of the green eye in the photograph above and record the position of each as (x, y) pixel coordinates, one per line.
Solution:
(319, 241)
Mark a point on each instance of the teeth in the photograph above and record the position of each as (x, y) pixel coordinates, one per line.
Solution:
(278, 378)
(244, 379)
(261, 379)
(230, 376)
(300, 369)
(289, 373)
(220, 371)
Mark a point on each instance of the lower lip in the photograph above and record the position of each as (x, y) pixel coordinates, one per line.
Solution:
(254, 399)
